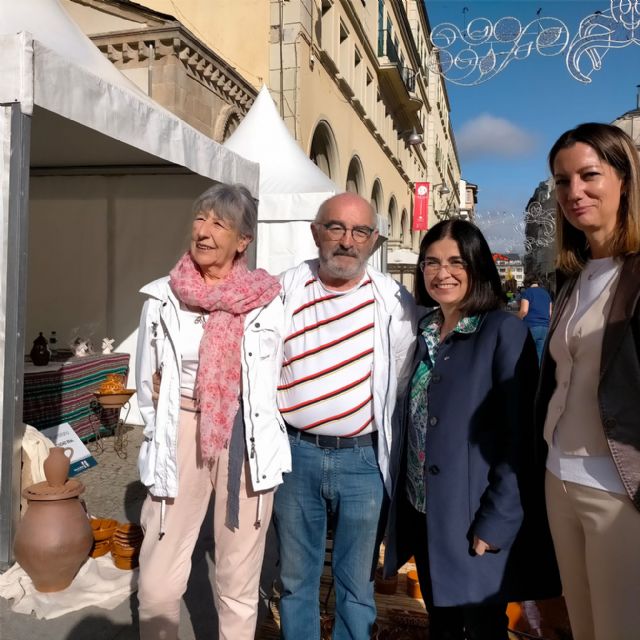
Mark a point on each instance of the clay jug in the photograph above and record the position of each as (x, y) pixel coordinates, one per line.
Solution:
(53, 540)
(54, 537)
(56, 466)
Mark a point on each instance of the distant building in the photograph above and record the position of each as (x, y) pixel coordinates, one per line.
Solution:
(540, 231)
(468, 200)
(630, 122)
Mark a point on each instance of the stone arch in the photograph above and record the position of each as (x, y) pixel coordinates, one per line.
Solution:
(405, 229)
(227, 122)
(324, 150)
(377, 197)
(355, 177)
(394, 221)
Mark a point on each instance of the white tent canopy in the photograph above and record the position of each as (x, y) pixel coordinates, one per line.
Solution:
(292, 187)
(48, 62)
(105, 176)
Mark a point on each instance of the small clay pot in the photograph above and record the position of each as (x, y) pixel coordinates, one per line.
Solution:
(413, 585)
(103, 528)
(385, 586)
(126, 563)
(100, 548)
(124, 550)
(56, 465)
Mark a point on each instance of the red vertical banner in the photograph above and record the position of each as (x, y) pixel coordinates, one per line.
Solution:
(421, 206)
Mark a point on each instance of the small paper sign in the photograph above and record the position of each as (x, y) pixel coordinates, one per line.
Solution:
(63, 435)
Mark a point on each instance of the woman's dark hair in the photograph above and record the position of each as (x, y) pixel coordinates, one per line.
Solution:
(485, 290)
(618, 150)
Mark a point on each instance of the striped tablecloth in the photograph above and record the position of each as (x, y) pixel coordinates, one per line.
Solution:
(63, 392)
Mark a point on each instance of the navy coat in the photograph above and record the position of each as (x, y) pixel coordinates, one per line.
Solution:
(485, 471)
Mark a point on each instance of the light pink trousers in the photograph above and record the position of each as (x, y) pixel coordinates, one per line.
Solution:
(596, 535)
(165, 564)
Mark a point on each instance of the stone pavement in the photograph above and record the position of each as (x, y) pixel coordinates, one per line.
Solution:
(113, 491)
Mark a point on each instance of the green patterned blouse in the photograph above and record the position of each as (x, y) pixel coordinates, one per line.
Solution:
(429, 331)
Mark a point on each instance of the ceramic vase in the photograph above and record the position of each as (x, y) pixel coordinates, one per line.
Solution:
(54, 537)
(52, 542)
(56, 465)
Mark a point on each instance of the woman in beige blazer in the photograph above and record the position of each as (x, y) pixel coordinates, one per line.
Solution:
(589, 395)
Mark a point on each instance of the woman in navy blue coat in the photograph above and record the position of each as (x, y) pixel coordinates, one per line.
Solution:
(468, 501)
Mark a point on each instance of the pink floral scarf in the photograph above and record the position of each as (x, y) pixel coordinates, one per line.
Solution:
(219, 369)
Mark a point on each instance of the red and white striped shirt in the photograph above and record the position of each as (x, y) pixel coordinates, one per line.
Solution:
(325, 385)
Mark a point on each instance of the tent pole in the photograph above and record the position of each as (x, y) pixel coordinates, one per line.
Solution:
(15, 137)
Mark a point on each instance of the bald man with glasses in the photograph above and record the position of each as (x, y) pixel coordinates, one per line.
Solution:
(350, 330)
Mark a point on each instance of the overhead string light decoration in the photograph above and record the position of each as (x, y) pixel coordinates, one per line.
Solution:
(483, 49)
(538, 226)
(598, 33)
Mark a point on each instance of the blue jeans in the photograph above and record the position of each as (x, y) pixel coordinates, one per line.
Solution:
(348, 483)
(539, 336)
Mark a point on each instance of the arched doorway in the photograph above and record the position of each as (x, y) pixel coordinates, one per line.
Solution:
(377, 197)
(355, 176)
(324, 151)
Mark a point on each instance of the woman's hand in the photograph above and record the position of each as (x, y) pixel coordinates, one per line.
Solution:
(480, 546)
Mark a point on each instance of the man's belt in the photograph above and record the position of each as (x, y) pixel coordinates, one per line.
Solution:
(335, 442)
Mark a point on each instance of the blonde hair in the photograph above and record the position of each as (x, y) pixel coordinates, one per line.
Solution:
(617, 149)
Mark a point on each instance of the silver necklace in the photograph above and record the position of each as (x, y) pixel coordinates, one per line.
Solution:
(599, 270)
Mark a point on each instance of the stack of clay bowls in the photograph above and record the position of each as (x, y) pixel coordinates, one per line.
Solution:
(103, 530)
(125, 545)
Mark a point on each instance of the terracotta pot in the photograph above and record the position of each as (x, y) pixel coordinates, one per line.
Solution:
(53, 541)
(386, 586)
(413, 585)
(56, 466)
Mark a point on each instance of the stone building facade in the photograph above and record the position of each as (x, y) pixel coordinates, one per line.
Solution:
(168, 62)
(352, 80)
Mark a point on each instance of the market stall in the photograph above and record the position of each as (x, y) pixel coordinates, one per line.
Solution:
(95, 183)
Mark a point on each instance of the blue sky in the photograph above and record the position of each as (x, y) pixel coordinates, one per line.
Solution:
(505, 126)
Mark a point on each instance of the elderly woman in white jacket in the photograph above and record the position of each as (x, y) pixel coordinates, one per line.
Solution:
(208, 362)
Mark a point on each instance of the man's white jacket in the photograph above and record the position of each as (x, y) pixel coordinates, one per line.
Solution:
(393, 343)
(159, 350)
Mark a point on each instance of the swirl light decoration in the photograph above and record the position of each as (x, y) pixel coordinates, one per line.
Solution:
(598, 33)
(543, 222)
(484, 48)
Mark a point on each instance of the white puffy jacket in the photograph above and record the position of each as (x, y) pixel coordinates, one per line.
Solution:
(158, 350)
(394, 333)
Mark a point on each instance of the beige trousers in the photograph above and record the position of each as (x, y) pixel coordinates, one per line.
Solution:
(596, 535)
(165, 564)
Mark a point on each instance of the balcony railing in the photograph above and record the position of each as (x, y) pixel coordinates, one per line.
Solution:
(388, 49)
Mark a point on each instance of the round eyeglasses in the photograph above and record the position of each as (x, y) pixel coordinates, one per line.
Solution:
(337, 231)
(433, 266)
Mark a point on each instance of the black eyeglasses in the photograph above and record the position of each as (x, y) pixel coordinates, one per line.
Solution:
(432, 266)
(337, 231)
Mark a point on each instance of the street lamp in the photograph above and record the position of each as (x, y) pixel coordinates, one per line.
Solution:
(412, 137)
(442, 188)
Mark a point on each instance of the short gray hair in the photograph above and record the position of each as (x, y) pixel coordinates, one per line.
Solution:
(231, 202)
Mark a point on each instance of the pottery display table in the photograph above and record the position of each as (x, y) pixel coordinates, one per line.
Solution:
(64, 391)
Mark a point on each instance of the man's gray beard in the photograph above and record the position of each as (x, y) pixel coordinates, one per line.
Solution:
(342, 273)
